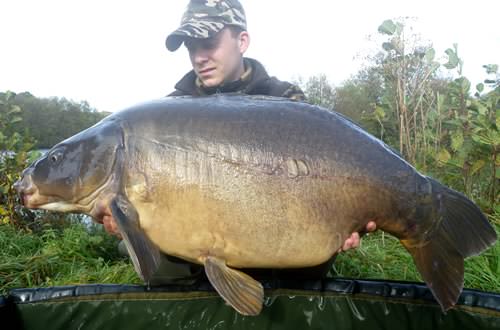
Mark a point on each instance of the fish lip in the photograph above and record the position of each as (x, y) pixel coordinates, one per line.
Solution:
(29, 195)
(27, 199)
(24, 197)
(25, 191)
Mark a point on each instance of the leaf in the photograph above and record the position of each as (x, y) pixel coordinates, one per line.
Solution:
(388, 46)
(482, 139)
(430, 54)
(379, 113)
(457, 140)
(482, 109)
(452, 59)
(497, 173)
(489, 81)
(14, 109)
(387, 27)
(494, 137)
(491, 68)
(478, 165)
(480, 87)
(442, 157)
(16, 119)
(464, 84)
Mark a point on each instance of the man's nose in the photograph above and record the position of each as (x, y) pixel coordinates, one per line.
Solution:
(199, 55)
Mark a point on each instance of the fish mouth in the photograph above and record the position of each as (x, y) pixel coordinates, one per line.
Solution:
(26, 190)
(29, 194)
(33, 200)
(25, 198)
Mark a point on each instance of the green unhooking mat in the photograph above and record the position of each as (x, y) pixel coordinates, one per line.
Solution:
(327, 304)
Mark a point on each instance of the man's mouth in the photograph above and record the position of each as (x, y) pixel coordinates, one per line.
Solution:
(205, 72)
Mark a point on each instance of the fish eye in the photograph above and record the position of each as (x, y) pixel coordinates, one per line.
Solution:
(55, 157)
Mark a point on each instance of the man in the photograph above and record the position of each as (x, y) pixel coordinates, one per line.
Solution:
(215, 34)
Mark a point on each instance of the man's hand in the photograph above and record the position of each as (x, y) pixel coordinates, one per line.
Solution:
(355, 239)
(110, 225)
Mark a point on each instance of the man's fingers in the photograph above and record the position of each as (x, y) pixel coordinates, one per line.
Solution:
(351, 242)
(355, 239)
(371, 226)
(110, 225)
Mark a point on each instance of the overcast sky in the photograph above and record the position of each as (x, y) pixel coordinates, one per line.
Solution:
(112, 53)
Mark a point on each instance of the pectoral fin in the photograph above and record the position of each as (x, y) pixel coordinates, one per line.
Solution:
(144, 254)
(239, 290)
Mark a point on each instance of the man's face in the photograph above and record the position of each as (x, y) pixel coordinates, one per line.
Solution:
(218, 59)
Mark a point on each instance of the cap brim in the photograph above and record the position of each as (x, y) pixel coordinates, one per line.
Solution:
(189, 30)
(175, 40)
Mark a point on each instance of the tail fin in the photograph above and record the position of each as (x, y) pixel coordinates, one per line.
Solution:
(463, 231)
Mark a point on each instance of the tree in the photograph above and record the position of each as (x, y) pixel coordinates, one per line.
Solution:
(468, 154)
(51, 120)
(319, 91)
(408, 70)
(358, 97)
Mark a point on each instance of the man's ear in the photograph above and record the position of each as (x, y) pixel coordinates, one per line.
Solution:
(243, 41)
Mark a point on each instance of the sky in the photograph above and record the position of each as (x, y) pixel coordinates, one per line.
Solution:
(111, 53)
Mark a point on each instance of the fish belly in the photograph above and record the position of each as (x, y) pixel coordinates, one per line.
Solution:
(253, 222)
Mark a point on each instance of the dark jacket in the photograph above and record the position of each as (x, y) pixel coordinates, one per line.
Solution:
(255, 81)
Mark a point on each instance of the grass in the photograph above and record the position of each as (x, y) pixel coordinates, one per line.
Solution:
(72, 255)
(381, 256)
(79, 254)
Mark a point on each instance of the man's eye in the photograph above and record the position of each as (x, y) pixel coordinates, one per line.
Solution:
(206, 44)
(210, 44)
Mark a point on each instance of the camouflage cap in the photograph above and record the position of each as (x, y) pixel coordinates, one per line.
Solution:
(204, 18)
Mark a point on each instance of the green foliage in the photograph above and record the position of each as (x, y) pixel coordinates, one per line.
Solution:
(408, 72)
(435, 122)
(389, 27)
(52, 120)
(60, 255)
(359, 96)
(453, 60)
(471, 140)
(14, 157)
(491, 68)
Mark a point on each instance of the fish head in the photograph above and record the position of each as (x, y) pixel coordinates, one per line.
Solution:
(71, 176)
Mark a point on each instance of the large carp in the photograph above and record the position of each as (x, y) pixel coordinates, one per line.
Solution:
(234, 182)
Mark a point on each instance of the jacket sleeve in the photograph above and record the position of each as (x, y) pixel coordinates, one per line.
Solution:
(285, 89)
